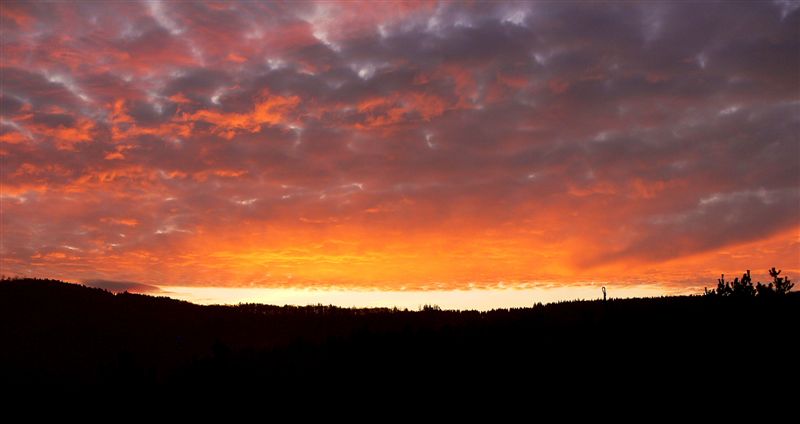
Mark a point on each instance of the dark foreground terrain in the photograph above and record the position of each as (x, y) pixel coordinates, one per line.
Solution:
(68, 336)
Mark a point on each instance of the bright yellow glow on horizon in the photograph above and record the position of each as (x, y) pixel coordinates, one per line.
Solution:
(484, 299)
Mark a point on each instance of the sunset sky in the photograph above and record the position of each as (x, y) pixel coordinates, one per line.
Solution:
(388, 147)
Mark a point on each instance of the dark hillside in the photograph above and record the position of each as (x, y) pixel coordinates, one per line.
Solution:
(67, 335)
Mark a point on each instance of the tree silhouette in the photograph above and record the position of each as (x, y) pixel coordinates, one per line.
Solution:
(779, 285)
(744, 288)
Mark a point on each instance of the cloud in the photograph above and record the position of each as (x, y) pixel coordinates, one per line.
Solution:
(530, 141)
(721, 219)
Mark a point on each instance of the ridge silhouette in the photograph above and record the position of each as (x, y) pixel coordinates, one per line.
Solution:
(64, 335)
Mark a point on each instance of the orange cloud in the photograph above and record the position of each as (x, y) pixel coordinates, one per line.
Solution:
(65, 137)
(128, 222)
(237, 58)
(269, 110)
(225, 173)
(399, 108)
(13, 137)
(124, 127)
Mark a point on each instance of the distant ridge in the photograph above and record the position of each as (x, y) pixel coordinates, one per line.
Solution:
(59, 334)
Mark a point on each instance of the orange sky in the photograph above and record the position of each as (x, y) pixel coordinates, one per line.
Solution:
(399, 146)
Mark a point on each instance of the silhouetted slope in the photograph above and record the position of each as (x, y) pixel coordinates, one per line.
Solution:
(68, 335)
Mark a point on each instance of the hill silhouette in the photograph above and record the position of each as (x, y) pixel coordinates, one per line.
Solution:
(57, 334)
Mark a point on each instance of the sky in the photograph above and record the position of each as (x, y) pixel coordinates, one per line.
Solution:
(390, 147)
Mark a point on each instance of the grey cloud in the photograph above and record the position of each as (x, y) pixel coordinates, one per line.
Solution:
(37, 89)
(198, 83)
(54, 119)
(10, 105)
(719, 220)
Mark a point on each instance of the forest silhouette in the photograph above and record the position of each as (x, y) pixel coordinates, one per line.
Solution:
(63, 335)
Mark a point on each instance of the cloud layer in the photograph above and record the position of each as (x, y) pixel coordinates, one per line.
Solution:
(398, 145)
